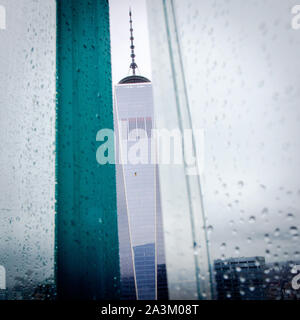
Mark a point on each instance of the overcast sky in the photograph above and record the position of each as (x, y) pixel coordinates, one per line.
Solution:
(120, 43)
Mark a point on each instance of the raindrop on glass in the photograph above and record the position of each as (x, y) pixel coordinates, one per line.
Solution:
(277, 232)
(290, 216)
(252, 219)
(223, 246)
(293, 230)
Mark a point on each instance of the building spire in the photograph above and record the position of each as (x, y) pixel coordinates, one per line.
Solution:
(133, 78)
(133, 65)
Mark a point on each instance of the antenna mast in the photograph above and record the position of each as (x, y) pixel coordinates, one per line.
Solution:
(133, 65)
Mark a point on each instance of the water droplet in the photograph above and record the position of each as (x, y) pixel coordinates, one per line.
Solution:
(293, 230)
(257, 263)
(223, 246)
(252, 219)
(241, 184)
(210, 229)
(264, 212)
(267, 238)
(277, 232)
(296, 237)
(290, 216)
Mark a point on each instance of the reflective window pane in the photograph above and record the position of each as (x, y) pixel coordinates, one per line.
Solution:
(27, 134)
(232, 70)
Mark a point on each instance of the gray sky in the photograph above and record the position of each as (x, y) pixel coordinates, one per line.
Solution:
(119, 30)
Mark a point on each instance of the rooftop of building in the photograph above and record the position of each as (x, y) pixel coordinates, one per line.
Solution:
(134, 79)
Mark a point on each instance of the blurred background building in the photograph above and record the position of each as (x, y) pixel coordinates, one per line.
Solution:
(240, 278)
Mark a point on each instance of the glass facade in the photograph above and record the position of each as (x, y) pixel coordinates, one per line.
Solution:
(240, 278)
(140, 224)
(145, 271)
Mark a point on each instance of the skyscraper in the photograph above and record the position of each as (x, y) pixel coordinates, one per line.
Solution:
(142, 258)
(240, 278)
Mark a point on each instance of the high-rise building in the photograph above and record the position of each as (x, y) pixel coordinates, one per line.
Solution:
(240, 278)
(3, 294)
(142, 258)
